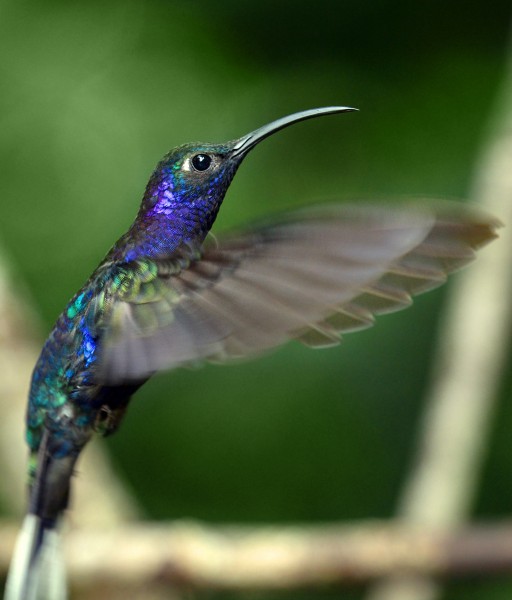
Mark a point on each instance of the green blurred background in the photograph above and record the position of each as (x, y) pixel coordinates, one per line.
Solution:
(94, 93)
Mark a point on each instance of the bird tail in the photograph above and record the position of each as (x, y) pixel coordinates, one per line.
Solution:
(37, 568)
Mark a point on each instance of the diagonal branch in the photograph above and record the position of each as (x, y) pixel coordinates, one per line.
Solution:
(470, 360)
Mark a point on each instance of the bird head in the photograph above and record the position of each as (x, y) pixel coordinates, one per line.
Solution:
(191, 180)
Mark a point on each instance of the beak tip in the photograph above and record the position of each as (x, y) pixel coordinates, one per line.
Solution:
(346, 109)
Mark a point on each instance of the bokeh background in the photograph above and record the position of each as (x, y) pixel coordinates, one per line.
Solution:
(92, 94)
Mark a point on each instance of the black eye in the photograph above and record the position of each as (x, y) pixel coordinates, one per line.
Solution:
(201, 162)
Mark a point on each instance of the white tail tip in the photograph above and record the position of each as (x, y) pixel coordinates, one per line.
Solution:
(37, 569)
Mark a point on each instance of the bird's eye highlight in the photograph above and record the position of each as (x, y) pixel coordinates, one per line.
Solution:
(201, 162)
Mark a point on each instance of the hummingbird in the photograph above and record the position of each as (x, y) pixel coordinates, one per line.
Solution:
(166, 295)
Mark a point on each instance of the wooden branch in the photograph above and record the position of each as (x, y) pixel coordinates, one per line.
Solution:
(468, 369)
(243, 558)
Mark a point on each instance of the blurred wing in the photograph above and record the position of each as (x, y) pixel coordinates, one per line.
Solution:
(310, 276)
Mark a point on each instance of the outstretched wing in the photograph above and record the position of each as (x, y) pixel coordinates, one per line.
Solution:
(311, 276)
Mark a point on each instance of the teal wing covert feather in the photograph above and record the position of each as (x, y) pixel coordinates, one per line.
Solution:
(311, 275)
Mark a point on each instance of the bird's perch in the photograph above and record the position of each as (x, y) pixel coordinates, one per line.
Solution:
(271, 558)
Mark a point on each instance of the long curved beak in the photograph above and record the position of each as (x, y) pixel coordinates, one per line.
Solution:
(247, 142)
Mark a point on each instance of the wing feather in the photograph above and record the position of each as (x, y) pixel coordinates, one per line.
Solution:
(310, 276)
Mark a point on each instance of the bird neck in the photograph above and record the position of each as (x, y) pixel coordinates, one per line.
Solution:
(159, 232)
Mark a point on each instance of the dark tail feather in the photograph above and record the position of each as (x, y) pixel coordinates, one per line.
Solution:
(37, 569)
